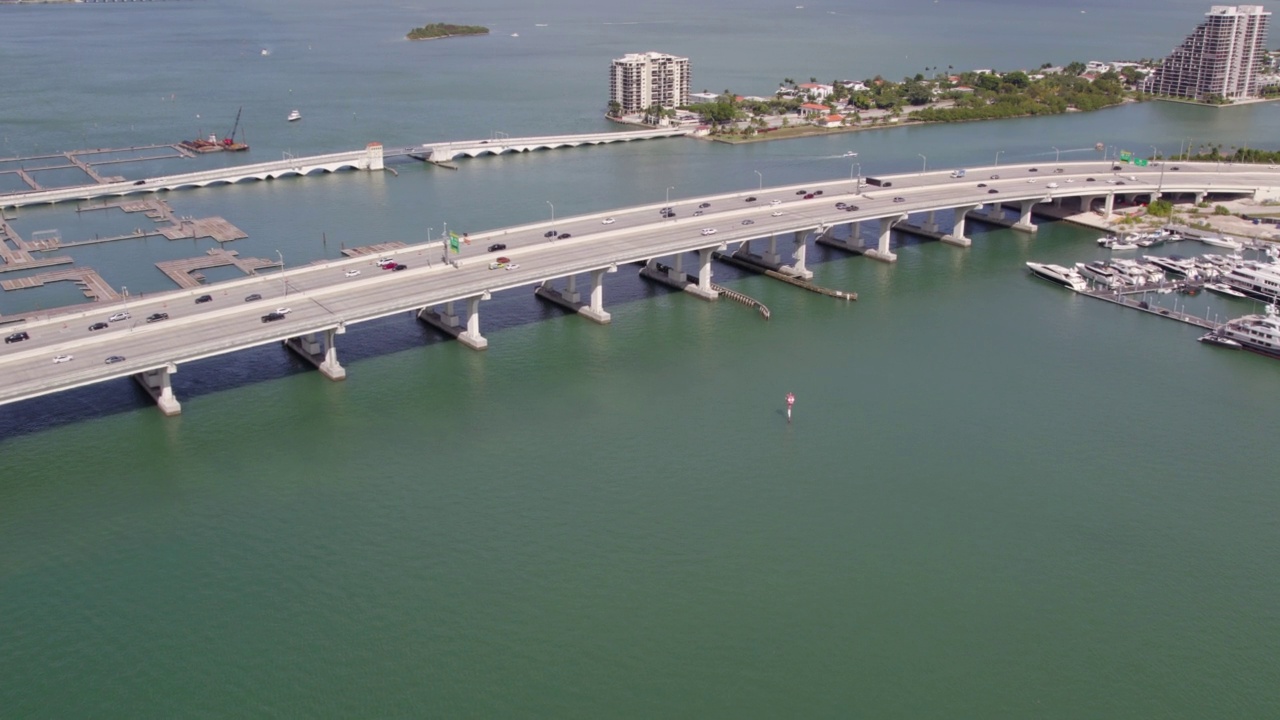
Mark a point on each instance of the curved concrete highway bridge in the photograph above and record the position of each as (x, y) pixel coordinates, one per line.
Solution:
(325, 300)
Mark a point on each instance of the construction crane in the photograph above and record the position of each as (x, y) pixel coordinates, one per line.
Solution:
(229, 142)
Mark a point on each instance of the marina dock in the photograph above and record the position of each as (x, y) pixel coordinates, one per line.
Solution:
(186, 271)
(1132, 298)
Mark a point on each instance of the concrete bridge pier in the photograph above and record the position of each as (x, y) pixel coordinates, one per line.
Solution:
(571, 300)
(703, 288)
(930, 224)
(1109, 206)
(1024, 216)
(881, 250)
(448, 322)
(156, 383)
(595, 311)
(321, 350)
(1200, 196)
(373, 156)
(471, 337)
(798, 269)
(956, 236)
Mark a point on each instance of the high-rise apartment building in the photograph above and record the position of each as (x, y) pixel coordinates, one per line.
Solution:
(1223, 58)
(638, 81)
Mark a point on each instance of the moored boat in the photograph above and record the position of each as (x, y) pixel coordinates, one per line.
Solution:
(294, 116)
(1258, 333)
(1224, 289)
(1216, 339)
(1223, 241)
(1065, 277)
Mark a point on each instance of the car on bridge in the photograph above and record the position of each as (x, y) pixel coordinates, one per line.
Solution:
(808, 196)
(351, 273)
(157, 317)
(272, 317)
(697, 213)
(982, 184)
(252, 298)
(563, 236)
(801, 192)
(751, 199)
(851, 208)
(499, 246)
(994, 177)
(113, 359)
(705, 205)
(775, 201)
(204, 299)
(98, 326)
(284, 310)
(841, 205)
(777, 213)
(63, 358)
(607, 221)
(549, 234)
(748, 221)
(708, 231)
(992, 191)
(1052, 185)
(17, 337)
(119, 316)
(398, 267)
(899, 199)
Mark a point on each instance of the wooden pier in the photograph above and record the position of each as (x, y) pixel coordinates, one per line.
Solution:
(186, 271)
(1131, 298)
(15, 253)
(85, 161)
(91, 284)
(378, 249)
(172, 226)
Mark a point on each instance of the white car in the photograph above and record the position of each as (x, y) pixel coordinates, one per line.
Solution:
(63, 358)
(775, 201)
(777, 213)
(1031, 180)
(708, 231)
(1052, 185)
(607, 221)
(385, 260)
(513, 266)
(119, 316)
(1071, 179)
(351, 273)
(284, 310)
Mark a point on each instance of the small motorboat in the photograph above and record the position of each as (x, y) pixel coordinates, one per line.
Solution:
(1123, 245)
(294, 116)
(1216, 339)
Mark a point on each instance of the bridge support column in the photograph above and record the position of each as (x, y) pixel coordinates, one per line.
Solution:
(677, 268)
(881, 250)
(930, 224)
(471, 337)
(1024, 217)
(703, 288)
(995, 211)
(156, 383)
(956, 236)
(1109, 206)
(798, 269)
(595, 311)
(771, 255)
(321, 351)
(1200, 196)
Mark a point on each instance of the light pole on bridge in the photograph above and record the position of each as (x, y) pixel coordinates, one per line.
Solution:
(761, 176)
(1160, 185)
(283, 281)
(1056, 154)
(924, 166)
(857, 186)
(998, 156)
(553, 213)
(669, 189)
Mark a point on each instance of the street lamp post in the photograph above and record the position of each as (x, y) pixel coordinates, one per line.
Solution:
(283, 281)
(669, 189)
(1056, 154)
(124, 290)
(924, 166)
(761, 176)
(553, 213)
(998, 156)
(859, 167)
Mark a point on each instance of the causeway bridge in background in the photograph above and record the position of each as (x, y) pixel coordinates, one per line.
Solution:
(372, 157)
(768, 229)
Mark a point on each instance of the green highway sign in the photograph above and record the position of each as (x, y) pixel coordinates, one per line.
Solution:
(1140, 162)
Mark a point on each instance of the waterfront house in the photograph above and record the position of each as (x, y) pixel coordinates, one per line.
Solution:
(833, 120)
(812, 110)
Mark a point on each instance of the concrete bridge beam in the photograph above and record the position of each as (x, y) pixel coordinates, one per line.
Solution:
(156, 383)
(471, 337)
(1024, 217)
(930, 224)
(798, 268)
(595, 310)
(1109, 206)
(703, 288)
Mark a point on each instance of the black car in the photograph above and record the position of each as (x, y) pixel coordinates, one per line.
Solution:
(157, 317)
(1116, 167)
(994, 177)
(992, 190)
(1090, 180)
(204, 299)
(665, 210)
(497, 246)
(982, 184)
(751, 199)
(563, 236)
(899, 199)
(140, 182)
(17, 337)
(549, 233)
(668, 213)
(272, 317)
(801, 192)
(850, 208)
(1175, 167)
(748, 221)
(399, 266)
(1119, 182)
(98, 326)
(705, 205)
(841, 205)
(1033, 170)
(112, 360)
(251, 298)
(817, 192)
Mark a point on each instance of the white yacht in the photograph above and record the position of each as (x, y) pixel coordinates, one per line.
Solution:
(1255, 280)
(294, 116)
(1066, 277)
(1135, 273)
(1100, 272)
(1172, 264)
(1223, 242)
(1259, 333)
(1224, 289)
(1125, 244)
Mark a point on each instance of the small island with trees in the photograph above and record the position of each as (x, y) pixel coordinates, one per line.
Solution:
(435, 31)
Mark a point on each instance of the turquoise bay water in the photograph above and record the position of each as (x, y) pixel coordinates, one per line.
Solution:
(995, 500)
